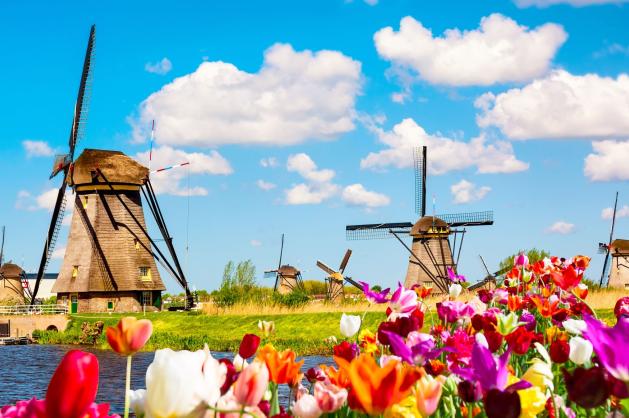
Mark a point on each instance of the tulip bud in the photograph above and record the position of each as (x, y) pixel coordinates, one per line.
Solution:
(267, 327)
(350, 324)
(230, 375)
(129, 335)
(329, 397)
(307, 407)
(580, 350)
(469, 391)
(248, 345)
(73, 386)
(521, 260)
(622, 307)
(455, 290)
(428, 393)
(251, 384)
(315, 374)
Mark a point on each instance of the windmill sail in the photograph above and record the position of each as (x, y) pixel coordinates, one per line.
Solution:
(420, 166)
(611, 237)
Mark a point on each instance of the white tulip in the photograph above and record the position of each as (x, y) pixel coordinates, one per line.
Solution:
(481, 340)
(455, 290)
(180, 384)
(239, 363)
(574, 326)
(580, 350)
(350, 324)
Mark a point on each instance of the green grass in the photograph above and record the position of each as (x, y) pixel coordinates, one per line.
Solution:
(303, 332)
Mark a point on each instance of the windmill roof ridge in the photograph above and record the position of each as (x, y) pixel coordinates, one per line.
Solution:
(116, 166)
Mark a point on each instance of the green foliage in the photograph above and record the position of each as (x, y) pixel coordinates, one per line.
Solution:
(315, 287)
(238, 285)
(295, 299)
(533, 254)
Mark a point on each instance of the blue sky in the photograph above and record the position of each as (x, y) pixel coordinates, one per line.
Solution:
(527, 114)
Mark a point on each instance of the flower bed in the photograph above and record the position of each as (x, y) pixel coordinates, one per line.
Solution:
(531, 347)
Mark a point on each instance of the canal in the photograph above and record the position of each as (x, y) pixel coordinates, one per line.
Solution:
(27, 369)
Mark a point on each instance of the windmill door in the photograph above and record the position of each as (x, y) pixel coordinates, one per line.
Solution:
(74, 303)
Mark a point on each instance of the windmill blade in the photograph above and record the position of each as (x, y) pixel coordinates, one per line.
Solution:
(605, 269)
(420, 166)
(468, 218)
(325, 267)
(611, 237)
(376, 231)
(2, 247)
(345, 260)
(281, 252)
(85, 89)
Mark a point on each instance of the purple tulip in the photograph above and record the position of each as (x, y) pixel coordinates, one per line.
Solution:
(529, 320)
(521, 260)
(416, 350)
(611, 345)
(403, 301)
(455, 278)
(375, 297)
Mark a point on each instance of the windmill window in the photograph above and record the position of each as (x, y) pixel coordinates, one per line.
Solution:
(145, 273)
(75, 272)
(85, 202)
(147, 298)
(110, 305)
(136, 244)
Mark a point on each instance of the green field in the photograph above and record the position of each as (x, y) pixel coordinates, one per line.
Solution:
(303, 332)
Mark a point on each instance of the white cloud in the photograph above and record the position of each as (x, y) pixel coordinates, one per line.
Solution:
(613, 49)
(560, 227)
(608, 162)
(58, 253)
(575, 3)
(500, 51)
(357, 195)
(37, 148)
(560, 105)
(269, 162)
(622, 212)
(255, 243)
(171, 181)
(160, 67)
(295, 96)
(466, 192)
(45, 201)
(303, 164)
(265, 185)
(444, 154)
(310, 194)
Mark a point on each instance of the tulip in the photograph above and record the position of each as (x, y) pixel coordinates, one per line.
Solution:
(506, 324)
(239, 363)
(428, 393)
(540, 375)
(233, 409)
(580, 350)
(559, 351)
(281, 365)
(499, 404)
(520, 340)
(611, 345)
(73, 386)
(329, 397)
(314, 374)
(373, 296)
(350, 324)
(129, 335)
(182, 384)
(307, 407)
(251, 384)
(267, 327)
(248, 345)
(622, 307)
(346, 350)
(230, 374)
(580, 291)
(574, 326)
(587, 387)
(521, 260)
(403, 301)
(455, 290)
(451, 311)
(469, 391)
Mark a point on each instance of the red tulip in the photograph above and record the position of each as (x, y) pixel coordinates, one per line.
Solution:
(73, 386)
(520, 340)
(559, 351)
(230, 376)
(248, 345)
(129, 335)
(251, 384)
(622, 307)
(587, 387)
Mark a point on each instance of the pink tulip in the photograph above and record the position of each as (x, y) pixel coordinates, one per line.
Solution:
(403, 301)
(428, 394)
(307, 407)
(521, 260)
(329, 397)
(251, 384)
(129, 335)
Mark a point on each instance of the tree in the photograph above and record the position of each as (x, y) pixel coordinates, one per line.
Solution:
(245, 274)
(228, 274)
(533, 254)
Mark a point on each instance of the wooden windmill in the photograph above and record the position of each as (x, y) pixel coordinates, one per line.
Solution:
(335, 282)
(109, 262)
(287, 277)
(436, 241)
(618, 249)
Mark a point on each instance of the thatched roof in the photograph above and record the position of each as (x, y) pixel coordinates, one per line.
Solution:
(288, 271)
(429, 224)
(620, 246)
(10, 270)
(115, 166)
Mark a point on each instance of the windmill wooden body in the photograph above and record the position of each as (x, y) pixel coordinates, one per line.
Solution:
(109, 262)
(287, 277)
(436, 240)
(11, 285)
(335, 281)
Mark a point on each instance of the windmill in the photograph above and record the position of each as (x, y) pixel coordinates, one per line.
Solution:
(436, 240)
(2, 248)
(287, 277)
(619, 250)
(490, 281)
(109, 262)
(335, 282)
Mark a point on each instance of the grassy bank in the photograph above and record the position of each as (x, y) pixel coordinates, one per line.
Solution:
(303, 332)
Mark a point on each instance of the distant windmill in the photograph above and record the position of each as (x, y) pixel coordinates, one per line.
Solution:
(335, 282)
(287, 277)
(619, 250)
(436, 243)
(490, 281)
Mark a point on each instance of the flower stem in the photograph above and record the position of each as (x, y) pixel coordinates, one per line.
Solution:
(127, 388)
(275, 405)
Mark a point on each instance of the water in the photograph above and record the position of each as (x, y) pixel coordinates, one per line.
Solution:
(26, 370)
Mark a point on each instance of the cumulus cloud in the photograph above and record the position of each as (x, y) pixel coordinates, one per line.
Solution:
(575, 3)
(560, 105)
(160, 67)
(45, 201)
(357, 195)
(560, 227)
(310, 194)
(622, 212)
(37, 148)
(295, 96)
(170, 181)
(265, 185)
(303, 164)
(269, 162)
(466, 192)
(444, 154)
(255, 243)
(608, 162)
(499, 51)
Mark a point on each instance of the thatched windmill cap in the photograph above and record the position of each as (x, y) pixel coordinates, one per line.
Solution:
(430, 225)
(620, 246)
(116, 167)
(288, 271)
(11, 271)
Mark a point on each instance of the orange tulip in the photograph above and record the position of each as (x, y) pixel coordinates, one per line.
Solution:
(281, 364)
(337, 377)
(374, 388)
(129, 335)
(514, 302)
(428, 393)
(545, 307)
